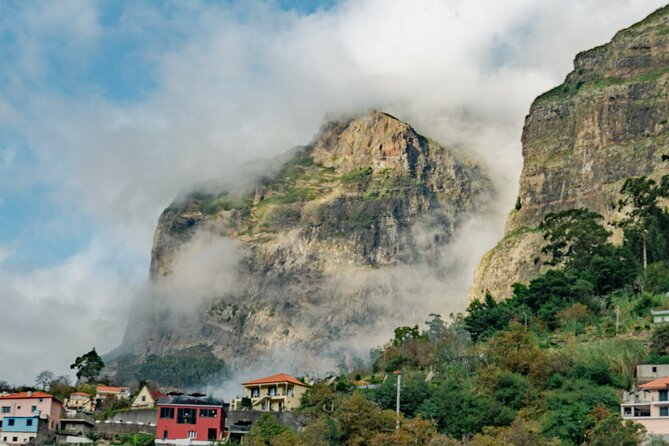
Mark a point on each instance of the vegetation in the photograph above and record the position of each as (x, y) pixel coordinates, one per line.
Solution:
(190, 367)
(88, 365)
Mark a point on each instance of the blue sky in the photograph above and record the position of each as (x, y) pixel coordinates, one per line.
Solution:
(108, 109)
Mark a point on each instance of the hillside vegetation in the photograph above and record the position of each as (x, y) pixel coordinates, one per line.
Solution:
(545, 367)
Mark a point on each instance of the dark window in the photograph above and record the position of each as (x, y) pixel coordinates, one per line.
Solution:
(11, 422)
(186, 416)
(255, 392)
(167, 412)
(208, 413)
(15, 439)
(33, 408)
(664, 411)
(272, 391)
(664, 395)
(165, 434)
(0, 424)
(654, 369)
(29, 422)
(5, 409)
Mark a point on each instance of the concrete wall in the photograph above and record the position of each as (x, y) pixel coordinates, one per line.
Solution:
(146, 416)
(107, 429)
(645, 373)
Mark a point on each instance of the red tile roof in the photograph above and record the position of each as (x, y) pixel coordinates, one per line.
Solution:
(110, 389)
(24, 395)
(155, 394)
(662, 383)
(80, 394)
(278, 378)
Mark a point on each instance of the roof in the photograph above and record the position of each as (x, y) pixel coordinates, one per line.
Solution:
(662, 383)
(155, 394)
(24, 395)
(111, 389)
(188, 400)
(278, 378)
(80, 394)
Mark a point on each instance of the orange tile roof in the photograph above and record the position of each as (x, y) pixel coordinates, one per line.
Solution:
(24, 395)
(278, 378)
(80, 394)
(110, 389)
(662, 383)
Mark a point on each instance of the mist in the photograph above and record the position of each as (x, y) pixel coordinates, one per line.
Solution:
(202, 88)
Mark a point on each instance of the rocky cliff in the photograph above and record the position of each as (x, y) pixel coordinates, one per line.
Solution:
(337, 242)
(608, 121)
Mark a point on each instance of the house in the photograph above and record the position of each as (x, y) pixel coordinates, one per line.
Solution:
(24, 430)
(280, 392)
(660, 317)
(190, 420)
(146, 398)
(650, 372)
(648, 405)
(29, 404)
(80, 401)
(121, 393)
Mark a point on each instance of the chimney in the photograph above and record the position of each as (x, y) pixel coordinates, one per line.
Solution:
(30, 393)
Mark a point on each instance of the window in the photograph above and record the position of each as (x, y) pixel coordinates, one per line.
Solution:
(15, 439)
(5, 409)
(41, 400)
(664, 411)
(186, 416)
(191, 434)
(654, 369)
(664, 395)
(208, 413)
(29, 422)
(272, 391)
(165, 434)
(143, 398)
(255, 392)
(10, 422)
(167, 412)
(33, 409)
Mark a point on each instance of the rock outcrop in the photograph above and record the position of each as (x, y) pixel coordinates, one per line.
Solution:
(332, 245)
(607, 122)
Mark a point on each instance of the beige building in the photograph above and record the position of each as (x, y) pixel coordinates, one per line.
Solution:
(648, 405)
(121, 393)
(281, 392)
(80, 401)
(146, 398)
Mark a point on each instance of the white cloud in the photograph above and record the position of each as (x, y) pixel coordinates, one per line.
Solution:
(53, 314)
(248, 81)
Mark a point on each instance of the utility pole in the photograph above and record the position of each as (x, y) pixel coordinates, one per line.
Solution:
(397, 407)
(617, 319)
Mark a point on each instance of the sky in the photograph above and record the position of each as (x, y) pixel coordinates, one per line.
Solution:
(110, 108)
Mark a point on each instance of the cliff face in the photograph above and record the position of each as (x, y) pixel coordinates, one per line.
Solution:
(328, 247)
(581, 140)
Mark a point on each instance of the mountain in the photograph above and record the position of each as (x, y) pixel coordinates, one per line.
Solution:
(338, 241)
(607, 122)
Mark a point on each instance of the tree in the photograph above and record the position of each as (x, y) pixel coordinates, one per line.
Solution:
(44, 378)
(574, 236)
(88, 365)
(611, 430)
(659, 341)
(643, 217)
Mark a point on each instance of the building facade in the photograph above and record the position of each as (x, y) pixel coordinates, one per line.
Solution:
(121, 393)
(146, 398)
(28, 404)
(190, 420)
(648, 405)
(276, 393)
(80, 401)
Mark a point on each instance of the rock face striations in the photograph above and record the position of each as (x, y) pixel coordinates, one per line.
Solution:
(608, 121)
(330, 246)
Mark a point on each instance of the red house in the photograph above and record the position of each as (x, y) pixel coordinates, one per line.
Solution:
(189, 420)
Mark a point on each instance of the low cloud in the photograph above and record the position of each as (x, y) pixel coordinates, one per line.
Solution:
(223, 84)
